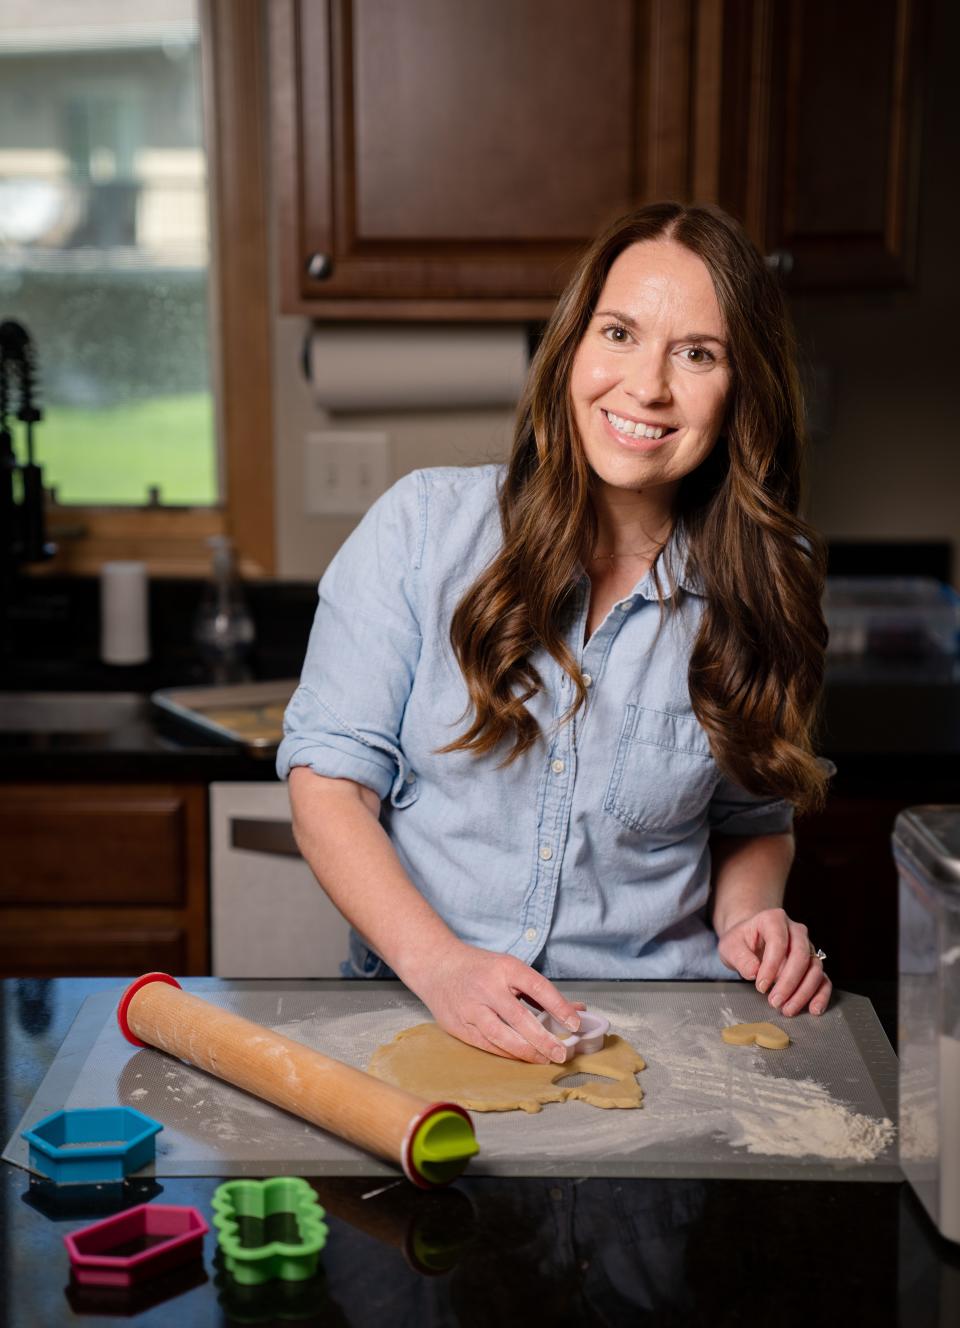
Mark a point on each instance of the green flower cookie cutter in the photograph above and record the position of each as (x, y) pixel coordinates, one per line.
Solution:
(269, 1229)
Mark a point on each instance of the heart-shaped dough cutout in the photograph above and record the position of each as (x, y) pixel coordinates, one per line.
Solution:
(764, 1035)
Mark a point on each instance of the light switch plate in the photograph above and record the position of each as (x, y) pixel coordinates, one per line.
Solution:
(346, 471)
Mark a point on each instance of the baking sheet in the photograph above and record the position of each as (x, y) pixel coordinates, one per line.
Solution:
(823, 1109)
(249, 713)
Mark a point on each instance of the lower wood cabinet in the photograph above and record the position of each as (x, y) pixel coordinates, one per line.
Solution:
(844, 885)
(103, 879)
(112, 879)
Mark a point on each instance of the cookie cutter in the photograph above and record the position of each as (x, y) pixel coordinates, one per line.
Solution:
(254, 1256)
(92, 1144)
(588, 1037)
(136, 1244)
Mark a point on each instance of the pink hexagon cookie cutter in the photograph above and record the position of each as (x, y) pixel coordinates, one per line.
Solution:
(138, 1243)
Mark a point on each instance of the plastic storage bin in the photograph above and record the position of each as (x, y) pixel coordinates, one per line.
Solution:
(891, 617)
(926, 846)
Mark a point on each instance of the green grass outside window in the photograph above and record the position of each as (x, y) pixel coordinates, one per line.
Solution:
(111, 455)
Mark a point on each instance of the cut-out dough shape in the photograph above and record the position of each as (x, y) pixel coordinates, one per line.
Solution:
(764, 1035)
(429, 1062)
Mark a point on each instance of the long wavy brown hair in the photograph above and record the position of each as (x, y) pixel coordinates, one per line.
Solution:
(756, 668)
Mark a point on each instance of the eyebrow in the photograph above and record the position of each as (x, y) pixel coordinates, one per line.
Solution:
(631, 322)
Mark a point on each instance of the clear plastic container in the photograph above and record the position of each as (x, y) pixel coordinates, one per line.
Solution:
(926, 847)
(891, 617)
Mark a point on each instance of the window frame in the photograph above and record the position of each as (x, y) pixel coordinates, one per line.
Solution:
(171, 540)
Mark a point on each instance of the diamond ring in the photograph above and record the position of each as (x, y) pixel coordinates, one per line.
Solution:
(818, 954)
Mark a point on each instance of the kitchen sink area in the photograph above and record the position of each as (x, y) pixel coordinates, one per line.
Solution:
(70, 712)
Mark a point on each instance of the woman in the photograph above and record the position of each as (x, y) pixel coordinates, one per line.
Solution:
(555, 717)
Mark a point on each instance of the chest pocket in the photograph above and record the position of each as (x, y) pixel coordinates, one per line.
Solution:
(664, 774)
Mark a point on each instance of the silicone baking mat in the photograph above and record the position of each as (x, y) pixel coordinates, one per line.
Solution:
(825, 1108)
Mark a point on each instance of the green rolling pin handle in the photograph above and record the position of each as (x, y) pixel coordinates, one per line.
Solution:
(438, 1145)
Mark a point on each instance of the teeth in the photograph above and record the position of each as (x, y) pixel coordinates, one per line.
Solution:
(631, 428)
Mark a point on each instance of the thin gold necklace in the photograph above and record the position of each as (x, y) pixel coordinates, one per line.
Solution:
(634, 553)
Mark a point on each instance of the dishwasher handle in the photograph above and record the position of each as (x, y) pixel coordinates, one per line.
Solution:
(257, 835)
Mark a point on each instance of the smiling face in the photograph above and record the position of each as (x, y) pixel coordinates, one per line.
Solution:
(651, 378)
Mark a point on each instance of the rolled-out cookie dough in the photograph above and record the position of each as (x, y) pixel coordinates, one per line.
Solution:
(429, 1062)
(764, 1035)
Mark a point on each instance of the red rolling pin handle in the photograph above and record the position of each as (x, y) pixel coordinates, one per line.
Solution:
(128, 995)
(432, 1142)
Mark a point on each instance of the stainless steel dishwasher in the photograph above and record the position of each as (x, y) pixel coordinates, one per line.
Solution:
(269, 917)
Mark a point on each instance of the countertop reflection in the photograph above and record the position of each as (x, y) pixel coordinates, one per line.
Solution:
(485, 1251)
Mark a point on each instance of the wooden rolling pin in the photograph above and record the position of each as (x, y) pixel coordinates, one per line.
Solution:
(432, 1142)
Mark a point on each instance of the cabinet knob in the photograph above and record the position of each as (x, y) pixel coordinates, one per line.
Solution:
(319, 266)
(781, 260)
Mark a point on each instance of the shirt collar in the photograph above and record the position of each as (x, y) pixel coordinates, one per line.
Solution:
(679, 550)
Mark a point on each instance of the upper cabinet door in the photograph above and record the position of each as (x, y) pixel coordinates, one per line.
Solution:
(453, 158)
(833, 140)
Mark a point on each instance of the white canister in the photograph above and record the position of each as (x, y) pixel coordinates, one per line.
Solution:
(124, 619)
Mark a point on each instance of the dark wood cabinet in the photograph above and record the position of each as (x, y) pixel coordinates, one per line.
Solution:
(824, 101)
(439, 160)
(99, 879)
(844, 885)
(459, 155)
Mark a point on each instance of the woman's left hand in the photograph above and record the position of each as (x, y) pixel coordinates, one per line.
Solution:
(774, 951)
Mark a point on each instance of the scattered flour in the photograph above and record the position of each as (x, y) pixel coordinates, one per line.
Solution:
(695, 1086)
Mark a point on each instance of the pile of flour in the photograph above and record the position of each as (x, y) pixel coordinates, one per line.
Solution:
(800, 1117)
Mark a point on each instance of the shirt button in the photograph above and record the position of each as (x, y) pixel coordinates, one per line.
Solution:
(627, 604)
(546, 853)
(558, 767)
(587, 680)
(531, 933)
(411, 777)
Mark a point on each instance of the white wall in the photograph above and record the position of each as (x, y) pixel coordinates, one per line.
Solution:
(305, 544)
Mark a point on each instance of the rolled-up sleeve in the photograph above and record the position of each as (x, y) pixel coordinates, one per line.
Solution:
(344, 718)
(734, 811)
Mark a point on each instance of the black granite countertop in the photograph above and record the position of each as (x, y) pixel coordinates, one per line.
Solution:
(888, 735)
(892, 729)
(892, 726)
(488, 1251)
(149, 746)
(52, 644)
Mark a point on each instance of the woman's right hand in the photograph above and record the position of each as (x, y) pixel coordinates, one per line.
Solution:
(474, 994)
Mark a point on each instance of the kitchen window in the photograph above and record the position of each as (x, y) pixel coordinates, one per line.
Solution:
(123, 233)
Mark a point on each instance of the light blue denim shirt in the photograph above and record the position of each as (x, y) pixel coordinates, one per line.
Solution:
(589, 856)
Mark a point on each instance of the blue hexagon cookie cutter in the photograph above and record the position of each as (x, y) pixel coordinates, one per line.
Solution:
(82, 1145)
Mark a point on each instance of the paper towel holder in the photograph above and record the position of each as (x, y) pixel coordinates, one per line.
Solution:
(375, 365)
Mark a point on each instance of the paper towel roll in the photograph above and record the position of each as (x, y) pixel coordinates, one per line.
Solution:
(391, 366)
(124, 632)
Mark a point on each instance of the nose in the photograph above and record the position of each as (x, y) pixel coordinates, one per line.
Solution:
(647, 378)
